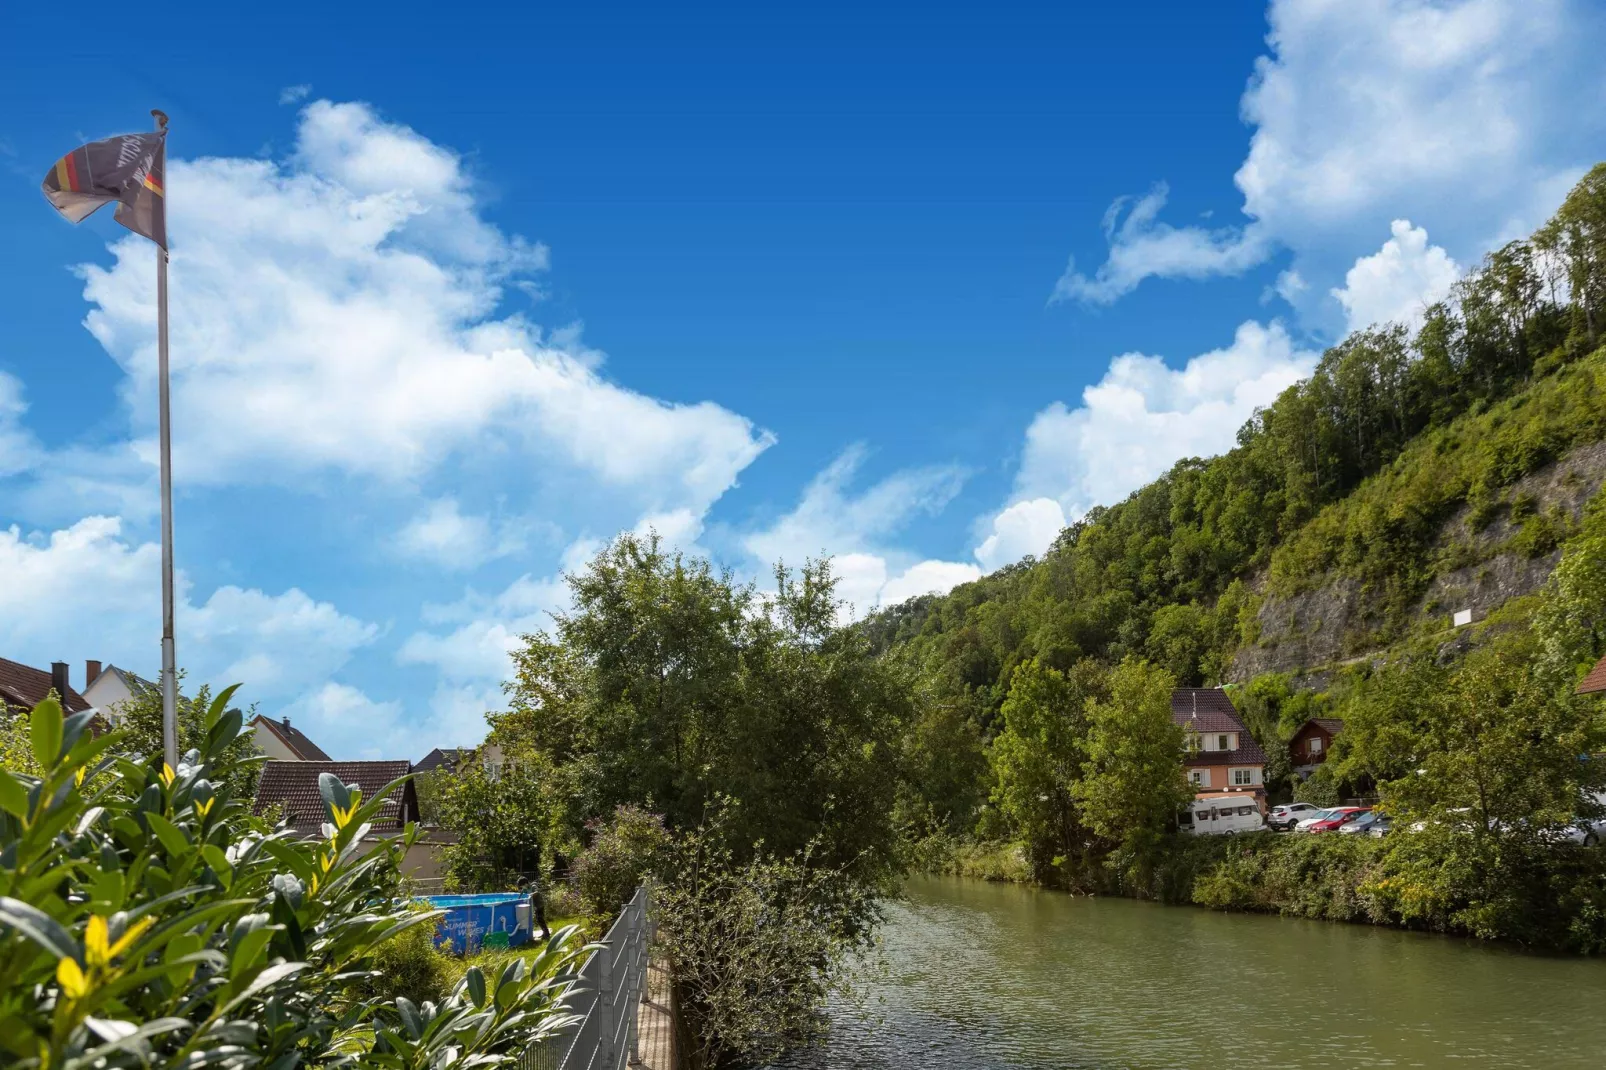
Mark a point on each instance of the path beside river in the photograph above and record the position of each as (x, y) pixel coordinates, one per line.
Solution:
(984, 976)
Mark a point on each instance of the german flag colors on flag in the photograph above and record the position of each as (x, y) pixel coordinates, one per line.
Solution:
(128, 170)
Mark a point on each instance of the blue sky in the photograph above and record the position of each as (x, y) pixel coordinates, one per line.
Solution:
(456, 298)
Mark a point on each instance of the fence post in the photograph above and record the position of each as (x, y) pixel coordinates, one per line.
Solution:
(605, 1005)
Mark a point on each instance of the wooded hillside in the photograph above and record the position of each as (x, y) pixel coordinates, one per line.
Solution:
(1409, 474)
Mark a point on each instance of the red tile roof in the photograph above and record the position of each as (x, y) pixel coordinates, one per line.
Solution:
(1595, 681)
(1208, 709)
(21, 685)
(294, 786)
(295, 739)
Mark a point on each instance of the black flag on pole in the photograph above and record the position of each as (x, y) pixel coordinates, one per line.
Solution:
(128, 170)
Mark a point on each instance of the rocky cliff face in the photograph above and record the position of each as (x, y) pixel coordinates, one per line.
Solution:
(1478, 570)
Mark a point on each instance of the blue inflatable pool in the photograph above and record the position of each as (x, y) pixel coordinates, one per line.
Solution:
(500, 919)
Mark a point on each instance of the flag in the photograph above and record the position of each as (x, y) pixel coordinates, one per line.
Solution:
(128, 170)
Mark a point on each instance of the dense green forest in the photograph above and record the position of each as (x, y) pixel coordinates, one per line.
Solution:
(1399, 461)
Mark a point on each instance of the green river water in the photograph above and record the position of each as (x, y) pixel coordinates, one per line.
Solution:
(980, 976)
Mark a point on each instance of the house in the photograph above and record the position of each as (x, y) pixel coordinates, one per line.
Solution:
(110, 688)
(1311, 744)
(282, 743)
(452, 759)
(442, 758)
(1594, 682)
(291, 786)
(23, 687)
(1221, 754)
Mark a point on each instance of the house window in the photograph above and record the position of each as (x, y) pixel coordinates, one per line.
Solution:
(1242, 777)
(1316, 745)
(1196, 777)
(1221, 743)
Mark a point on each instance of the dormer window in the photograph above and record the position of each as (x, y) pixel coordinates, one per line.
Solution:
(1222, 743)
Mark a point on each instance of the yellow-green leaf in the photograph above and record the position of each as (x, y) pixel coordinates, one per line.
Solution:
(44, 728)
(13, 796)
(171, 836)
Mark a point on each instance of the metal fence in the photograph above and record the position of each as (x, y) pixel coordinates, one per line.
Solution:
(612, 983)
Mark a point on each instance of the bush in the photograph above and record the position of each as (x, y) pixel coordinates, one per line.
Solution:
(755, 947)
(630, 847)
(410, 965)
(147, 919)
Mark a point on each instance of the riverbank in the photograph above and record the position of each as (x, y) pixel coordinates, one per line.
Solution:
(983, 976)
(1547, 896)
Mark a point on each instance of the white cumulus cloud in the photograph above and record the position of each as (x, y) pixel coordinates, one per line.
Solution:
(855, 529)
(86, 591)
(443, 535)
(1471, 117)
(1026, 527)
(1142, 417)
(338, 313)
(1397, 283)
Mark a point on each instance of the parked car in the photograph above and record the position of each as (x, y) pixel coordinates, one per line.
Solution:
(1337, 816)
(1304, 823)
(1286, 815)
(1221, 816)
(1380, 828)
(1363, 824)
(1591, 832)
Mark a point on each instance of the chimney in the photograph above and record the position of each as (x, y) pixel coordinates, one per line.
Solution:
(58, 679)
(287, 723)
(91, 671)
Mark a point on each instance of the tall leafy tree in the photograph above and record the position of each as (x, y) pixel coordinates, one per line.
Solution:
(1038, 762)
(672, 687)
(1132, 784)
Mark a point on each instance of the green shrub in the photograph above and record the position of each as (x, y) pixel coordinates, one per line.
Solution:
(756, 946)
(146, 919)
(630, 847)
(410, 965)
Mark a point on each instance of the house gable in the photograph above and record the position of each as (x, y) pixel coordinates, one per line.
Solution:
(293, 787)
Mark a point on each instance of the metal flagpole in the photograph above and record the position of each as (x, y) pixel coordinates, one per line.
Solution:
(165, 432)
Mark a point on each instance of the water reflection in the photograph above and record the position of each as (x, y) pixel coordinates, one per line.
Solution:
(989, 977)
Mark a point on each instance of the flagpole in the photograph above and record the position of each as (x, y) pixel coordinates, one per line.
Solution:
(165, 433)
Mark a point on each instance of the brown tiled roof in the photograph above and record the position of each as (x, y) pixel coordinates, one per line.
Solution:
(1205, 709)
(1595, 681)
(295, 739)
(294, 786)
(446, 757)
(21, 685)
(1331, 725)
(1208, 709)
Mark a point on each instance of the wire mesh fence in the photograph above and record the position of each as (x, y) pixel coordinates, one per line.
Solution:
(612, 985)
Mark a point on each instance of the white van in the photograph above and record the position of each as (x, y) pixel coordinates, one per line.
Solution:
(1222, 815)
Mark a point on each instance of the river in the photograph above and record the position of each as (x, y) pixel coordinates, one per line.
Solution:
(979, 976)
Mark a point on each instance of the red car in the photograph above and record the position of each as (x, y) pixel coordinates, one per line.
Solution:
(1337, 816)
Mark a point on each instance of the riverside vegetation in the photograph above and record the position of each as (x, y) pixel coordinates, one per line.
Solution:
(1474, 742)
(773, 771)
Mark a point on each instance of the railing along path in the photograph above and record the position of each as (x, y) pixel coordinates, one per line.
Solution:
(607, 996)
